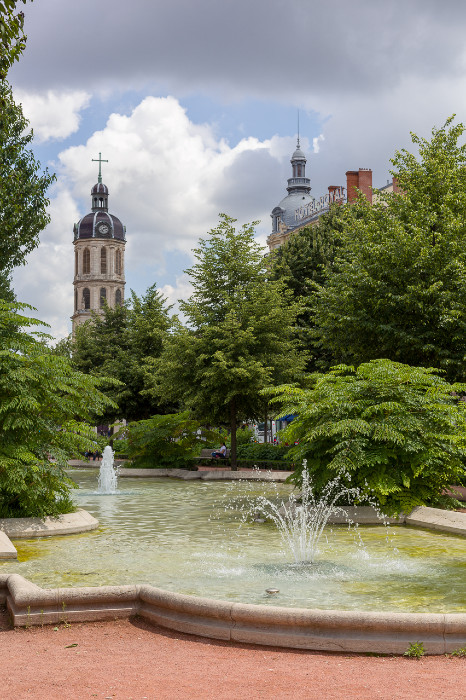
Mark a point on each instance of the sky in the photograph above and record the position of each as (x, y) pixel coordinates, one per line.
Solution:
(194, 104)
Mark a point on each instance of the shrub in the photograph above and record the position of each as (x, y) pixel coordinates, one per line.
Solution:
(169, 441)
(396, 432)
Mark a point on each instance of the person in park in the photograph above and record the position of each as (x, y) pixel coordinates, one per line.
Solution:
(221, 453)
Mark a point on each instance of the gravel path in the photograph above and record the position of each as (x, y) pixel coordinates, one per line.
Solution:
(133, 660)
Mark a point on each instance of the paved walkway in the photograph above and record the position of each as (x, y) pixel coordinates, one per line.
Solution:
(132, 660)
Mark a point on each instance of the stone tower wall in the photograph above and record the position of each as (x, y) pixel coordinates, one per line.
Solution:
(96, 279)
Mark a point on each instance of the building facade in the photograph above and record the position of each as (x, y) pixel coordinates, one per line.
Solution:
(99, 258)
(299, 208)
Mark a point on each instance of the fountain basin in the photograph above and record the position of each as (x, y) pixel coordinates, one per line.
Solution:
(171, 523)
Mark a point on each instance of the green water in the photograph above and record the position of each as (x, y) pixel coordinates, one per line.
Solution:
(188, 537)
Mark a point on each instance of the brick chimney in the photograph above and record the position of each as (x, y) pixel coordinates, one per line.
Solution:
(359, 180)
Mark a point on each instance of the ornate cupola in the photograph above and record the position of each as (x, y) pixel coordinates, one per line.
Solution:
(99, 240)
(298, 182)
(299, 195)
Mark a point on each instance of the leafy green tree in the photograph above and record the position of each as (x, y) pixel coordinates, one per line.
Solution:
(118, 344)
(303, 263)
(398, 289)
(169, 441)
(23, 204)
(239, 337)
(396, 432)
(12, 38)
(43, 406)
(22, 186)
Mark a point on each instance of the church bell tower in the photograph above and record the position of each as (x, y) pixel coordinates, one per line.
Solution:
(99, 257)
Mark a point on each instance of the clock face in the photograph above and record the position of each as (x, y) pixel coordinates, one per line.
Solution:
(103, 229)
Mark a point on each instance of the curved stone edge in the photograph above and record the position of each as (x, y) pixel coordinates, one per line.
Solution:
(7, 549)
(66, 524)
(296, 628)
(213, 475)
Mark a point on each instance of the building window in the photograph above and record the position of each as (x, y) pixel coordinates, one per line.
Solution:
(86, 298)
(103, 261)
(118, 297)
(118, 262)
(103, 296)
(75, 263)
(75, 299)
(86, 261)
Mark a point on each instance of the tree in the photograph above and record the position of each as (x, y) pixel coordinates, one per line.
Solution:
(239, 337)
(43, 406)
(12, 39)
(397, 433)
(22, 187)
(303, 263)
(169, 441)
(23, 204)
(118, 344)
(398, 289)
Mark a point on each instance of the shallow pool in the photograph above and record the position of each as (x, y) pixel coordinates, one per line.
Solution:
(190, 537)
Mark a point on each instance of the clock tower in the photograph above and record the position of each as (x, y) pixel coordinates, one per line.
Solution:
(99, 257)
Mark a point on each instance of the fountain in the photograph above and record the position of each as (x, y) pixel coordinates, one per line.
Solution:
(301, 521)
(107, 475)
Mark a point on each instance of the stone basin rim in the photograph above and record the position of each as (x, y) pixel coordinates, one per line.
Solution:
(294, 628)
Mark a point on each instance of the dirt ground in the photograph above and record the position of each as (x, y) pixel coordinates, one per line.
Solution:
(133, 660)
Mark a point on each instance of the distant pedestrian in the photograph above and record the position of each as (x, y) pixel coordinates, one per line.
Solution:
(221, 453)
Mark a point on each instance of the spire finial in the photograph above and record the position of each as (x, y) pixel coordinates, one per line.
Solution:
(99, 160)
(297, 144)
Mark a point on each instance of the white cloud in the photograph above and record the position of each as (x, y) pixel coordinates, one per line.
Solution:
(168, 180)
(316, 141)
(53, 114)
(182, 289)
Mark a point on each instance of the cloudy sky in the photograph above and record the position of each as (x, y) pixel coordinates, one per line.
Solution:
(194, 103)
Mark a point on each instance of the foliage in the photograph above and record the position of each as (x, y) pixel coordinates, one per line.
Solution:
(460, 652)
(12, 39)
(415, 650)
(166, 441)
(398, 288)
(120, 447)
(303, 263)
(239, 338)
(244, 436)
(118, 344)
(43, 403)
(22, 187)
(264, 452)
(396, 432)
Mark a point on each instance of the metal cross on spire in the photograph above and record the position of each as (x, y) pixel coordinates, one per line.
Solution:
(298, 131)
(99, 160)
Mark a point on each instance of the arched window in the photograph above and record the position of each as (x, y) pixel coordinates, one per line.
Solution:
(118, 297)
(103, 261)
(103, 296)
(75, 299)
(86, 261)
(75, 262)
(118, 262)
(101, 202)
(95, 201)
(86, 298)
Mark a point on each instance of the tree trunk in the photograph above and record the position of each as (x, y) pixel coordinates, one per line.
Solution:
(234, 466)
